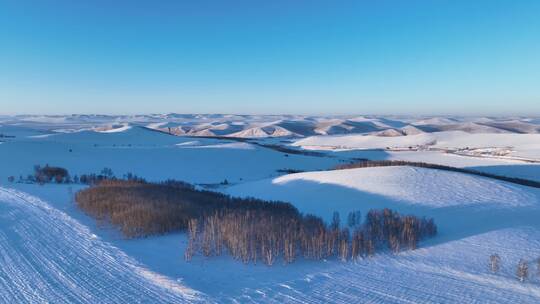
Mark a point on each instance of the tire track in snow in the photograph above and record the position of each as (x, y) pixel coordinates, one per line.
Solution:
(48, 257)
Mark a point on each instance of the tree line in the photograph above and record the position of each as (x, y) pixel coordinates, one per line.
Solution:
(265, 236)
(53, 174)
(141, 208)
(391, 163)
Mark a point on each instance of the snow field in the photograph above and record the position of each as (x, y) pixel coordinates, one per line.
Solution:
(46, 256)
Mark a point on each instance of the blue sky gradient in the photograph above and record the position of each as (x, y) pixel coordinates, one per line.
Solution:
(268, 57)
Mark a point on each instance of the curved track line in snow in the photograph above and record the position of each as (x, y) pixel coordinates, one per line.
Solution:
(47, 256)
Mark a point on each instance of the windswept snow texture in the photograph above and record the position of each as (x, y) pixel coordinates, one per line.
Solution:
(47, 257)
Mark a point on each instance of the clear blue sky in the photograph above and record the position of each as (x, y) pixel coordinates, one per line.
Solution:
(280, 56)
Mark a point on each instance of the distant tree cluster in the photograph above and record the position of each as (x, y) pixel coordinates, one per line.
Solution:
(53, 174)
(48, 174)
(267, 234)
(105, 175)
(391, 163)
(288, 150)
(289, 171)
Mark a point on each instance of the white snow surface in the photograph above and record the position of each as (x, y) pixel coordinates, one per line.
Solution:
(116, 129)
(153, 155)
(419, 186)
(351, 142)
(235, 145)
(455, 272)
(525, 146)
(46, 256)
(420, 190)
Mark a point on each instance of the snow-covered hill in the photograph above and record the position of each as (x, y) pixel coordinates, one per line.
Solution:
(476, 216)
(260, 126)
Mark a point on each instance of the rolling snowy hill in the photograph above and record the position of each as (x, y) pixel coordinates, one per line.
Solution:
(50, 251)
(259, 126)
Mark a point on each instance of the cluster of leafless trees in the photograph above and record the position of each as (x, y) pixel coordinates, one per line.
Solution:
(140, 208)
(54, 174)
(390, 163)
(104, 175)
(250, 230)
(266, 235)
(522, 268)
(48, 174)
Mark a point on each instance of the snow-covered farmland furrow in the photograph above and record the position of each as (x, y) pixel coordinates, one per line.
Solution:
(45, 256)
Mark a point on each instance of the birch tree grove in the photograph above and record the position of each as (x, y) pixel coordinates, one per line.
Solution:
(250, 230)
(265, 236)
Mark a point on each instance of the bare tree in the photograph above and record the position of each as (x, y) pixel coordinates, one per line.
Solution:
(192, 229)
(494, 263)
(522, 270)
(354, 219)
(335, 221)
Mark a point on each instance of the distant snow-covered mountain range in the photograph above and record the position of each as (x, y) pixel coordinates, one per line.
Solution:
(263, 126)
